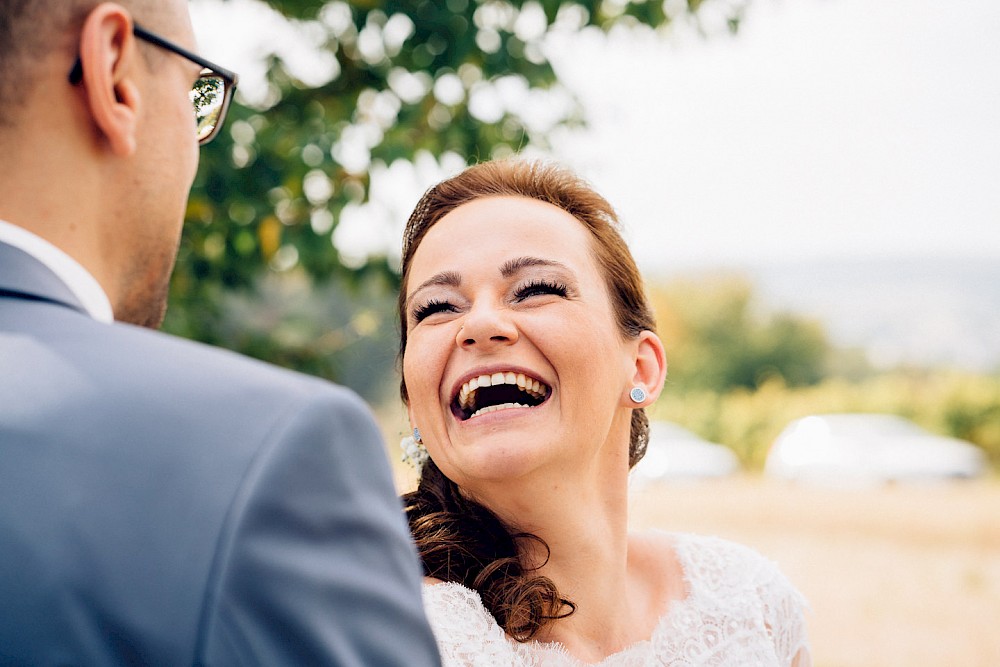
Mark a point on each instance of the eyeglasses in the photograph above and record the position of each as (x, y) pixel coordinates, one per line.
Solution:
(210, 95)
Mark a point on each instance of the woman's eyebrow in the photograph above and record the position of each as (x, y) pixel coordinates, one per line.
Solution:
(445, 278)
(513, 266)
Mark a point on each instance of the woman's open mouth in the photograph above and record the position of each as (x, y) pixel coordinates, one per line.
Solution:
(499, 391)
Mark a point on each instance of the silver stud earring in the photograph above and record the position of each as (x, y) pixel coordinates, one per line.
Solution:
(638, 394)
(414, 452)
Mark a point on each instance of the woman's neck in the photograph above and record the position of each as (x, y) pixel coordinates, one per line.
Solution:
(586, 532)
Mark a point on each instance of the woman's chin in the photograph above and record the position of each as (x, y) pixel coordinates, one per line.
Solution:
(503, 445)
(497, 458)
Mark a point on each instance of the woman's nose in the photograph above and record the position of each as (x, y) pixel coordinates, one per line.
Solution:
(486, 326)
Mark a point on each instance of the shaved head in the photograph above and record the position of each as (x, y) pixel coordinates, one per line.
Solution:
(31, 30)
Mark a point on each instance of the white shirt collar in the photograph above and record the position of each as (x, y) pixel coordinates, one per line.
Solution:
(79, 281)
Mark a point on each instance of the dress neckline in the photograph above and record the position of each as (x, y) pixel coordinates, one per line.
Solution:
(674, 607)
(737, 609)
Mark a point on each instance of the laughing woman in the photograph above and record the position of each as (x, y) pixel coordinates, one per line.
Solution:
(528, 354)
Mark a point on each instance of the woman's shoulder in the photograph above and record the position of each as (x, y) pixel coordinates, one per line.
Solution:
(732, 585)
(451, 605)
(689, 548)
(714, 564)
(440, 593)
(466, 632)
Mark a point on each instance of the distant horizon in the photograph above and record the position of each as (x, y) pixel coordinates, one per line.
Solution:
(902, 311)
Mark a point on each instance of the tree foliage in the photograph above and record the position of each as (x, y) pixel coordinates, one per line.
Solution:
(407, 76)
(718, 340)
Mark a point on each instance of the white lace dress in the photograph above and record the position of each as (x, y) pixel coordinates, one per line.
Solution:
(739, 610)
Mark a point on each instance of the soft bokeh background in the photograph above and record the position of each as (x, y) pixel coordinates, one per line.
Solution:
(809, 187)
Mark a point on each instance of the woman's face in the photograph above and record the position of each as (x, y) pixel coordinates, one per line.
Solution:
(513, 360)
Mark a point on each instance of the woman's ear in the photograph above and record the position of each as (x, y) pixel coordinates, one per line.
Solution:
(109, 57)
(650, 369)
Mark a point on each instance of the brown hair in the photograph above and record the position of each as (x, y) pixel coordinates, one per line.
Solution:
(458, 539)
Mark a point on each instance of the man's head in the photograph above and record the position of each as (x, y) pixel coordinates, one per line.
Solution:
(36, 34)
(101, 162)
(27, 32)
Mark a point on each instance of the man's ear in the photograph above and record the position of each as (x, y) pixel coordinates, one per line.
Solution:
(650, 368)
(110, 61)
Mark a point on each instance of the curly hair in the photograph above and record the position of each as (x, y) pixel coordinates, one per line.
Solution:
(458, 539)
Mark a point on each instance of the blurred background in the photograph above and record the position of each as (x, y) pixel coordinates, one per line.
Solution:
(808, 185)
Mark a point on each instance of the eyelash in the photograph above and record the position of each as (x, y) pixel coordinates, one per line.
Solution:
(538, 287)
(534, 288)
(431, 307)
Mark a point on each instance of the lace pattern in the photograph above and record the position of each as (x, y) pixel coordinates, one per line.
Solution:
(739, 610)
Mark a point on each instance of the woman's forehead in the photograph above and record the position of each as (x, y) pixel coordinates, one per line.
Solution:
(507, 218)
(497, 230)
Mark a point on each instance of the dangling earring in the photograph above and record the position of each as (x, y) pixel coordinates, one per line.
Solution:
(638, 394)
(414, 452)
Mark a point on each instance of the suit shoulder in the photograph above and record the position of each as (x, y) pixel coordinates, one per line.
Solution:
(167, 388)
(170, 355)
(144, 366)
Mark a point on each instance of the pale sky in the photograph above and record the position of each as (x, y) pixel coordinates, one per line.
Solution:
(824, 129)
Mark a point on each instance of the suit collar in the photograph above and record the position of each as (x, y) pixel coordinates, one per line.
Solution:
(23, 276)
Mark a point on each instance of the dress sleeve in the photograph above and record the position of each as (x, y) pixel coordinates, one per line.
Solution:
(784, 615)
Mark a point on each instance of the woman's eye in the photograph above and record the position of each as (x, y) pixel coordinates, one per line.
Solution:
(539, 287)
(430, 308)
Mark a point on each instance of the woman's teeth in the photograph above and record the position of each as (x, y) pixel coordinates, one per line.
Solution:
(495, 408)
(530, 386)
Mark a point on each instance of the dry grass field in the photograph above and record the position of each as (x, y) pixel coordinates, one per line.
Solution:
(896, 576)
(904, 575)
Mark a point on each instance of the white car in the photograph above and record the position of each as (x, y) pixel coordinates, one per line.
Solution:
(676, 453)
(868, 448)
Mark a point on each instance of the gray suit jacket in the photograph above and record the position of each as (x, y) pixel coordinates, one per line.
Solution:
(167, 503)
